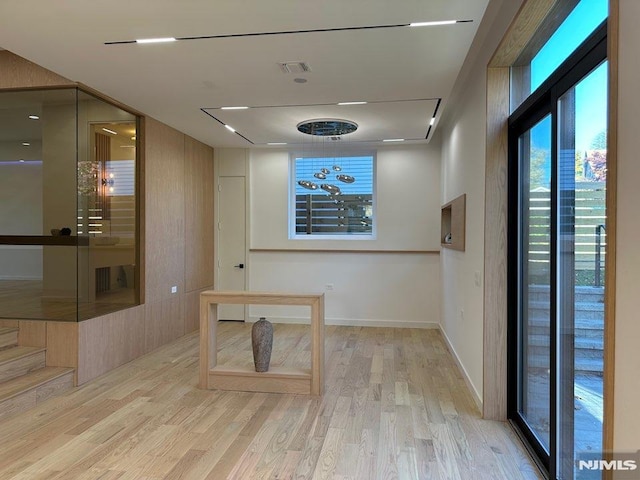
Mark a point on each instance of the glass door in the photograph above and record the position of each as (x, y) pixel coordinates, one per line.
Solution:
(581, 253)
(534, 284)
(557, 260)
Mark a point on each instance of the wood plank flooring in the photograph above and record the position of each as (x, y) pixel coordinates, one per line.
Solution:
(395, 407)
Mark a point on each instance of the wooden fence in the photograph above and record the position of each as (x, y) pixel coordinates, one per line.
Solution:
(590, 215)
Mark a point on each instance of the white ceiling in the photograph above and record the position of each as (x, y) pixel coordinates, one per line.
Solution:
(403, 72)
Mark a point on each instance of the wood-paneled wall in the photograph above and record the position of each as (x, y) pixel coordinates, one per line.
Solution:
(164, 211)
(20, 73)
(107, 342)
(198, 214)
(495, 247)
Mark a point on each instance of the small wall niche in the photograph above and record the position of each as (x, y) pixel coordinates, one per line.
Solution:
(452, 226)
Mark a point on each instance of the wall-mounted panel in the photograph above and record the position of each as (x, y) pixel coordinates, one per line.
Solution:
(164, 321)
(107, 342)
(198, 215)
(164, 211)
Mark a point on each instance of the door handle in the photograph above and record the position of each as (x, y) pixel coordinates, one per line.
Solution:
(240, 265)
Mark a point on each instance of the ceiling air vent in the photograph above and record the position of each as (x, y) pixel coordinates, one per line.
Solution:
(294, 67)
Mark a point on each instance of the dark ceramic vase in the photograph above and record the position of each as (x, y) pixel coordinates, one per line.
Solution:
(262, 342)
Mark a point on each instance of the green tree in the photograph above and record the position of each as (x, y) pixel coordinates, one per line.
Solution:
(537, 170)
(599, 142)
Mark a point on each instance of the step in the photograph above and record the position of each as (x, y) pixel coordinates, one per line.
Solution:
(8, 337)
(580, 343)
(581, 294)
(579, 353)
(582, 365)
(27, 391)
(542, 321)
(16, 361)
(583, 310)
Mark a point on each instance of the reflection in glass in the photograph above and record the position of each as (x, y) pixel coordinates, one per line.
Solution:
(67, 230)
(535, 279)
(582, 180)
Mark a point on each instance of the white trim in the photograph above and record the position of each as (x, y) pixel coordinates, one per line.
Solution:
(472, 389)
(354, 322)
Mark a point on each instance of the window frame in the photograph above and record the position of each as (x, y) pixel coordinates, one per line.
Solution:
(291, 220)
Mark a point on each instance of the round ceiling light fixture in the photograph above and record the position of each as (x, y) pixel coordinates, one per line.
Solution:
(327, 127)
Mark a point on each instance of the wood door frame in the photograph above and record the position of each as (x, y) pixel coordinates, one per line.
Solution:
(523, 28)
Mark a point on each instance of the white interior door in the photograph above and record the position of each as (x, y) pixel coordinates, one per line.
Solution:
(231, 242)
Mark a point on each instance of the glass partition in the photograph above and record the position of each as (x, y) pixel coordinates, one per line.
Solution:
(68, 245)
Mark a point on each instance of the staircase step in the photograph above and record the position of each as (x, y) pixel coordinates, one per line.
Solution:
(8, 337)
(18, 361)
(581, 294)
(27, 391)
(580, 343)
(540, 322)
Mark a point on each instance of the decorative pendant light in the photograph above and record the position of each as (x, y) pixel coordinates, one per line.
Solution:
(345, 178)
(333, 128)
(308, 185)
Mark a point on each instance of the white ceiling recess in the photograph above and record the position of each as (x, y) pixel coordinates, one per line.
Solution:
(402, 72)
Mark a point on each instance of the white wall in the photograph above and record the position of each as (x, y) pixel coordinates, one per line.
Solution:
(391, 287)
(463, 132)
(627, 322)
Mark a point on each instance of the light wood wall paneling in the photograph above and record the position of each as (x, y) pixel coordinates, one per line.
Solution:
(192, 309)
(610, 272)
(107, 342)
(495, 247)
(33, 333)
(62, 346)
(198, 215)
(140, 271)
(164, 210)
(20, 73)
(164, 321)
(523, 28)
(9, 323)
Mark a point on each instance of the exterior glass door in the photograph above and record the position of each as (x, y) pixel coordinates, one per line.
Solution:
(557, 261)
(534, 332)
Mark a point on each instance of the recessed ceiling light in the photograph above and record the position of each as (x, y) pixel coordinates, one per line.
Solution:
(433, 120)
(277, 143)
(110, 131)
(432, 24)
(300, 80)
(156, 40)
(234, 108)
(34, 117)
(352, 103)
(25, 144)
(230, 128)
(394, 140)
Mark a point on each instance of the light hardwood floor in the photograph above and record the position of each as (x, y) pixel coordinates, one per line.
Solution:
(395, 407)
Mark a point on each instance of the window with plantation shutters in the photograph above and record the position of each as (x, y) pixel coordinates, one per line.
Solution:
(333, 196)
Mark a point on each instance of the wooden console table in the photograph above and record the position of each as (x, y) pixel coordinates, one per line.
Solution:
(277, 379)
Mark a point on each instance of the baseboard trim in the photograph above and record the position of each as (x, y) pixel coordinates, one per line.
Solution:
(353, 322)
(472, 389)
